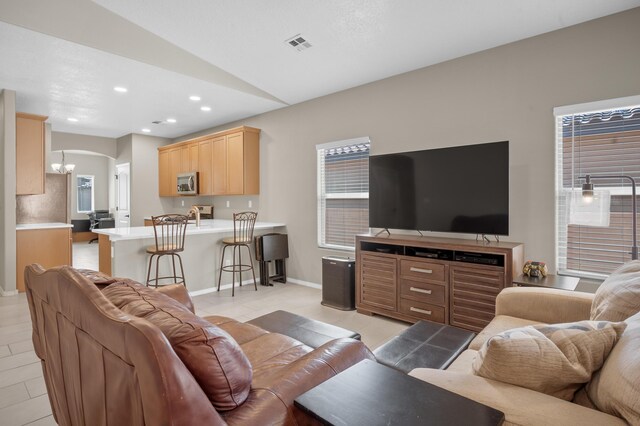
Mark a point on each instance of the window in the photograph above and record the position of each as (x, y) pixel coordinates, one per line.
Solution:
(596, 142)
(343, 192)
(85, 193)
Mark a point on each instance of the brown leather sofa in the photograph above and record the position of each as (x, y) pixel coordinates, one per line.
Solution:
(104, 366)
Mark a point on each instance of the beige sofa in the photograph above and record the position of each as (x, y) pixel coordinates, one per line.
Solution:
(520, 306)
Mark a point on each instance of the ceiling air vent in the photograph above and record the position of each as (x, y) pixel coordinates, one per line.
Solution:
(298, 42)
(157, 122)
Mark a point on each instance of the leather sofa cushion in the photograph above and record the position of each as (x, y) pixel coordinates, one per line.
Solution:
(618, 297)
(213, 357)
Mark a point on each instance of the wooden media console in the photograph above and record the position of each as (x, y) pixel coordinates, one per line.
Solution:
(444, 280)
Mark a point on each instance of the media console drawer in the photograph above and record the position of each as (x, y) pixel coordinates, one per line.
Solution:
(423, 292)
(421, 310)
(427, 271)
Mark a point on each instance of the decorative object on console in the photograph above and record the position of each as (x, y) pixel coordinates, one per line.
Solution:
(534, 269)
(594, 209)
(63, 167)
(556, 359)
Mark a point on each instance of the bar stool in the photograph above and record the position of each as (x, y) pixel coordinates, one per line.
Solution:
(243, 224)
(169, 231)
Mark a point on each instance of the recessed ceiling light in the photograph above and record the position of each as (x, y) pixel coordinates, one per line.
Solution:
(120, 89)
(205, 108)
(72, 119)
(146, 130)
(171, 120)
(194, 98)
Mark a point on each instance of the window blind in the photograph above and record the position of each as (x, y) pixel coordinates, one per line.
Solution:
(596, 143)
(343, 192)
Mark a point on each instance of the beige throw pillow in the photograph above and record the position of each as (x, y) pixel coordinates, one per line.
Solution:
(618, 297)
(615, 389)
(555, 359)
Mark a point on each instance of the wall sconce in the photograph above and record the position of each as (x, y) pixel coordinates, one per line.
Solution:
(591, 207)
(62, 167)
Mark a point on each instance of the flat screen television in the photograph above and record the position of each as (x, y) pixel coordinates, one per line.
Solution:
(463, 189)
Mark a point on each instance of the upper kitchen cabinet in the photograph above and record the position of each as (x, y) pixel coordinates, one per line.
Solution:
(228, 163)
(30, 165)
(205, 167)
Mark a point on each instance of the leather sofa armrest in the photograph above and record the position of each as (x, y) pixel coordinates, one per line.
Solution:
(319, 365)
(272, 394)
(521, 406)
(179, 293)
(544, 304)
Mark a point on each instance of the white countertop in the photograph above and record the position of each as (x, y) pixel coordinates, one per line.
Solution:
(207, 226)
(52, 225)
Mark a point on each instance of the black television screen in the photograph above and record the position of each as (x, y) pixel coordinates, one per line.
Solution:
(460, 189)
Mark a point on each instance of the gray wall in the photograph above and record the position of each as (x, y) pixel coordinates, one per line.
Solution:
(505, 93)
(71, 141)
(8, 192)
(144, 179)
(91, 165)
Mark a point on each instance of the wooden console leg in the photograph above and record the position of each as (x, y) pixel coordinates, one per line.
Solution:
(364, 312)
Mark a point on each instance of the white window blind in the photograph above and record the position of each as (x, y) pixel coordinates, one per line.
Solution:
(596, 143)
(343, 192)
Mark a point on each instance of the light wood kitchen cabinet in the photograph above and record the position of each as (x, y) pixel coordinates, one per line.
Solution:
(205, 164)
(164, 174)
(48, 247)
(219, 165)
(236, 164)
(30, 167)
(175, 167)
(228, 163)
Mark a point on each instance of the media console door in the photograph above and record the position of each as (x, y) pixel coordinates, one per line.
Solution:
(435, 279)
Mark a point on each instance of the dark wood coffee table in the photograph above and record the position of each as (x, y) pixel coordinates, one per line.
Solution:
(372, 394)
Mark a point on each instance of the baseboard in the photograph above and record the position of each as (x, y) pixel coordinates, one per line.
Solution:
(7, 293)
(250, 281)
(304, 283)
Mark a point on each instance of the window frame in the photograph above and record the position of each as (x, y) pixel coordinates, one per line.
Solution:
(561, 224)
(322, 195)
(93, 193)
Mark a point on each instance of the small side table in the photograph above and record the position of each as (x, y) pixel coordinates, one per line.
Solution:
(550, 281)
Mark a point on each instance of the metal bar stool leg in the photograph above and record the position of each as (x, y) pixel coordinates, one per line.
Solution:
(184, 280)
(233, 272)
(158, 269)
(149, 269)
(250, 265)
(224, 249)
(239, 265)
(173, 260)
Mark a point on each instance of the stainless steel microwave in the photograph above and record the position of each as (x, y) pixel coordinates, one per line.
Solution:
(187, 183)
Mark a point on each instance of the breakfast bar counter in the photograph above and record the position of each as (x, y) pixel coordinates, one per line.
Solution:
(122, 251)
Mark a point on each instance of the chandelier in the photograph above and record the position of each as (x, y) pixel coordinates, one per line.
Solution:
(62, 167)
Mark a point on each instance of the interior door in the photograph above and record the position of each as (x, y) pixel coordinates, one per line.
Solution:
(123, 182)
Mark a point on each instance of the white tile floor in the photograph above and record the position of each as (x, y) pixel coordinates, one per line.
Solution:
(23, 398)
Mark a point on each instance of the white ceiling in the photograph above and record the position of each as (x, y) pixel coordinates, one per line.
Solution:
(63, 58)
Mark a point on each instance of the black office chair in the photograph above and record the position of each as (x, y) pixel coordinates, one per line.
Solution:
(100, 219)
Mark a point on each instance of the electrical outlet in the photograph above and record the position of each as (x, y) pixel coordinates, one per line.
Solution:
(228, 203)
(182, 203)
(250, 203)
